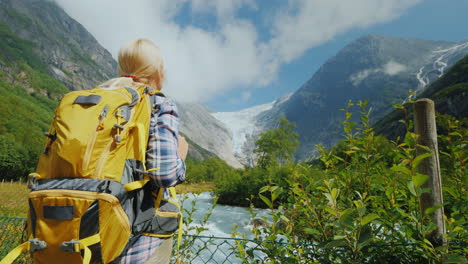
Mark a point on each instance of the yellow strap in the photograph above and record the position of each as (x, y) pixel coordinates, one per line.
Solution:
(157, 235)
(157, 203)
(91, 240)
(173, 193)
(87, 254)
(85, 243)
(8, 259)
(179, 239)
(136, 184)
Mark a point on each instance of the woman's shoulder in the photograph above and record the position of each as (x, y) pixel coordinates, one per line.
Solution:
(166, 104)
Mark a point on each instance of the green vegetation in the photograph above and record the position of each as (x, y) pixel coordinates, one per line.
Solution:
(27, 99)
(359, 202)
(275, 149)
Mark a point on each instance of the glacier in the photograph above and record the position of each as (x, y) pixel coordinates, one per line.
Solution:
(242, 125)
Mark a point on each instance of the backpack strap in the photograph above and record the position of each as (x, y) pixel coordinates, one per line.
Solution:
(32, 245)
(75, 246)
(15, 253)
(153, 99)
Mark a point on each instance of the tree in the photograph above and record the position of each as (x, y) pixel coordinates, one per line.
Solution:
(277, 146)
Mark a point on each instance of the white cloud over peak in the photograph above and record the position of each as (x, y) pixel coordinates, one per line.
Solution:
(202, 63)
(390, 68)
(393, 68)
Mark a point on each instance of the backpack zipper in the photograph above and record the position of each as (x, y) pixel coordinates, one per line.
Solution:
(90, 147)
(106, 151)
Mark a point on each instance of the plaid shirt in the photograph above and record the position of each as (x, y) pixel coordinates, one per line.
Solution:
(140, 251)
(161, 153)
(162, 146)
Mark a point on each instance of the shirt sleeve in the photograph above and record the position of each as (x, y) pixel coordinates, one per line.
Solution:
(163, 162)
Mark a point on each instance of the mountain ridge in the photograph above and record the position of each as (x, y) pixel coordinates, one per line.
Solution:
(379, 68)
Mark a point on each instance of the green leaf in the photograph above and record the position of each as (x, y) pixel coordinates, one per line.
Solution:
(335, 243)
(431, 210)
(365, 237)
(311, 231)
(266, 200)
(368, 218)
(419, 179)
(335, 192)
(419, 158)
(411, 188)
(330, 210)
(347, 216)
(329, 197)
(264, 189)
(398, 106)
(400, 168)
(358, 204)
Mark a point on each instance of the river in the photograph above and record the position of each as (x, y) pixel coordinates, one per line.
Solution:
(223, 218)
(219, 225)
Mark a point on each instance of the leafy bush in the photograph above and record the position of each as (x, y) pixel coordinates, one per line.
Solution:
(361, 203)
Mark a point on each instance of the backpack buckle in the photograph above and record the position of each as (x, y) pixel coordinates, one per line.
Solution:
(71, 246)
(36, 245)
(32, 180)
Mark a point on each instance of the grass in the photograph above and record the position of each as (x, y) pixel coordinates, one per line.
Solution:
(195, 187)
(13, 202)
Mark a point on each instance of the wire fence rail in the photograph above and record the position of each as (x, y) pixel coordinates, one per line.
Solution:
(207, 249)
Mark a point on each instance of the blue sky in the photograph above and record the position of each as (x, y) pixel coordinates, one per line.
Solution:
(233, 54)
(431, 19)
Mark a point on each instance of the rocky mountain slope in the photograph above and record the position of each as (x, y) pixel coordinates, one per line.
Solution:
(71, 53)
(43, 54)
(201, 127)
(379, 68)
(449, 93)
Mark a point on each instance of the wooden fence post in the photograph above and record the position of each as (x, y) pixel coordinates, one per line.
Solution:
(425, 127)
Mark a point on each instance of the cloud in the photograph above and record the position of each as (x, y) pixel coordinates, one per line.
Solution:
(390, 68)
(246, 95)
(202, 63)
(393, 68)
(308, 23)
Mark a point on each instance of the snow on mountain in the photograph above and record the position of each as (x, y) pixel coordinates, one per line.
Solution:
(441, 58)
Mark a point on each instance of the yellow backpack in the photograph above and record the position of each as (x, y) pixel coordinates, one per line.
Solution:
(91, 196)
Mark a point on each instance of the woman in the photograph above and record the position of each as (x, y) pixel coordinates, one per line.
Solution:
(140, 63)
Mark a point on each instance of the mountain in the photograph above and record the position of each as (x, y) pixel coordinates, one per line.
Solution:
(71, 54)
(450, 96)
(198, 124)
(244, 128)
(381, 69)
(44, 53)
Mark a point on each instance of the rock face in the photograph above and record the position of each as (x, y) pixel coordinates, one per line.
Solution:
(72, 54)
(379, 68)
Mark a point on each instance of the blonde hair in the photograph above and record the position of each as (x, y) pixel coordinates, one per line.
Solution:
(141, 59)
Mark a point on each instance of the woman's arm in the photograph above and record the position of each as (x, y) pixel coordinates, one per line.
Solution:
(162, 147)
